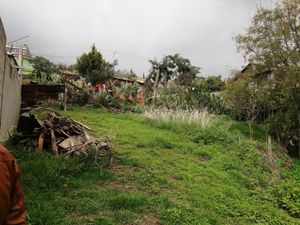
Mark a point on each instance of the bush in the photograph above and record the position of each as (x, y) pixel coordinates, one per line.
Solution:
(287, 197)
(138, 108)
(103, 99)
(193, 97)
(183, 215)
(208, 137)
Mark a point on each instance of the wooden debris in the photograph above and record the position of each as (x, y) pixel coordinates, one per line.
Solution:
(40, 141)
(53, 142)
(61, 134)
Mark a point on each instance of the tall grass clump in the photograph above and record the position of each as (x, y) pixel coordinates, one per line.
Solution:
(198, 118)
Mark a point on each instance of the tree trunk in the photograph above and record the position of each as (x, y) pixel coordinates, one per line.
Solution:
(155, 87)
(250, 129)
(165, 89)
(165, 83)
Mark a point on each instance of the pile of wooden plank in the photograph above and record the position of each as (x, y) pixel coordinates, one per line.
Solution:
(61, 134)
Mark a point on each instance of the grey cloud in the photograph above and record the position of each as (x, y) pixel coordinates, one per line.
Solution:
(133, 31)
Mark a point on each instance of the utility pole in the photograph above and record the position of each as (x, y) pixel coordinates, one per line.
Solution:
(21, 38)
(20, 62)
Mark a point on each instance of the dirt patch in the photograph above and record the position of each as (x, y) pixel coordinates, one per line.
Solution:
(120, 186)
(149, 220)
(121, 169)
(117, 168)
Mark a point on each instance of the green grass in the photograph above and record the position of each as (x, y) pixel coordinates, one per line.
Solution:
(175, 174)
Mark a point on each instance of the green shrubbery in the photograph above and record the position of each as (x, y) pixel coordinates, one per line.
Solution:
(267, 102)
(195, 96)
(270, 90)
(45, 72)
(182, 215)
(287, 196)
(207, 137)
(123, 98)
(179, 173)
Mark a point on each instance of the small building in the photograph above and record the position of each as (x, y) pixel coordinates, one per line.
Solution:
(23, 57)
(255, 71)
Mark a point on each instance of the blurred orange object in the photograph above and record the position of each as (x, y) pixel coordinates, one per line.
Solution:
(12, 211)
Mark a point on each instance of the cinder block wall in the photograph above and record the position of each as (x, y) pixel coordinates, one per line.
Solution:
(10, 90)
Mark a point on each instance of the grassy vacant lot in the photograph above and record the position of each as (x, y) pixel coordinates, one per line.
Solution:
(168, 174)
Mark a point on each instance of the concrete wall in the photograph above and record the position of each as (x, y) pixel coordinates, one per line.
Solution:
(10, 90)
(2, 57)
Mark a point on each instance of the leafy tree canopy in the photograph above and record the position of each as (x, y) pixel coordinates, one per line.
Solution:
(215, 83)
(45, 72)
(94, 68)
(272, 42)
(126, 74)
(173, 66)
(43, 68)
(273, 38)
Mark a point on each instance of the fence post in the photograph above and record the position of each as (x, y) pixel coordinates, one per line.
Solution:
(65, 97)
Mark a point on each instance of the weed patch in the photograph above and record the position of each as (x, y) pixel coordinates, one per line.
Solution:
(178, 173)
(160, 142)
(136, 202)
(287, 197)
(208, 137)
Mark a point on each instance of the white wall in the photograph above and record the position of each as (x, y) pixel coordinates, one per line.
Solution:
(10, 90)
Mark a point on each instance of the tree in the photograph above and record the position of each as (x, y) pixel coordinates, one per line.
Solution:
(272, 42)
(273, 39)
(200, 95)
(243, 98)
(94, 68)
(43, 69)
(185, 73)
(214, 83)
(161, 72)
(171, 66)
(165, 69)
(126, 74)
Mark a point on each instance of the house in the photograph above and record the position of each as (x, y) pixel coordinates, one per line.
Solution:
(10, 89)
(23, 56)
(255, 70)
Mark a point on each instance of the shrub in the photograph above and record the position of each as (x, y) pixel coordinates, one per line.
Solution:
(195, 96)
(162, 143)
(103, 99)
(216, 136)
(182, 215)
(287, 197)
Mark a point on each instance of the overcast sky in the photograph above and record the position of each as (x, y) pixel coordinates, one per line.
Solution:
(133, 31)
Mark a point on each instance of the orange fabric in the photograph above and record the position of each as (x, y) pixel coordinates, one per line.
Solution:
(12, 211)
